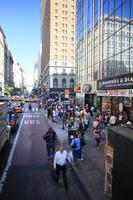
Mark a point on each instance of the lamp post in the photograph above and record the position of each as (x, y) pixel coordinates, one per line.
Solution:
(63, 120)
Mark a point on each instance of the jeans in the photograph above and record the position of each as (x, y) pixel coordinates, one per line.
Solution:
(76, 154)
(50, 147)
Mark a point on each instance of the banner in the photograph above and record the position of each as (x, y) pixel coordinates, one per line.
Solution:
(108, 168)
(115, 93)
(77, 88)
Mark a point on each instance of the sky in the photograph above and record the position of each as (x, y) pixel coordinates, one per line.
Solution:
(21, 23)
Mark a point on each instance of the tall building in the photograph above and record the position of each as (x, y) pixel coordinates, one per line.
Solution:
(9, 80)
(36, 77)
(18, 75)
(2, 60)
(58, 19)
(104, 50)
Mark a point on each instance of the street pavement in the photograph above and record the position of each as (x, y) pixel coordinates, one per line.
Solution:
(90, 171)
(28, 176)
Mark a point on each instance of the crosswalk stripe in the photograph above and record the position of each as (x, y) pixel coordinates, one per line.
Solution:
(27, 110)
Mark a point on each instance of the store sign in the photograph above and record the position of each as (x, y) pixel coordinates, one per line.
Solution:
(66, 94)
(118, 82)
(115, 93)
(77, 88)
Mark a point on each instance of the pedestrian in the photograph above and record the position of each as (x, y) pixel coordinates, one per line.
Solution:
(76, 149)
(82, 129)
(60, 161)
(50, 137)
(97, 136)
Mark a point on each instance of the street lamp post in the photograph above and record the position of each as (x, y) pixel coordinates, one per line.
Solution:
(63, 120)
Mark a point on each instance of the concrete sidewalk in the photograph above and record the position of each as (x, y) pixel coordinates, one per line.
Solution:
(90, 171)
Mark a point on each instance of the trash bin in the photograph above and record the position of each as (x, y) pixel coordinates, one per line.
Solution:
(71, 134)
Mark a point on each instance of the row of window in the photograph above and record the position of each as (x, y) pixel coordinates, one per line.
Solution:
(63, 56)
(64, 83)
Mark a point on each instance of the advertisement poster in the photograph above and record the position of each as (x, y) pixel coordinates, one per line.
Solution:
(66, 94)
(108, 167)
(77, 88)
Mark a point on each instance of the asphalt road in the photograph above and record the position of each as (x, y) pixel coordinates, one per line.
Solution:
(28, 176)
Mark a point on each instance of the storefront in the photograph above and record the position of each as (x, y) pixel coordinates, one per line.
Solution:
(117, 94)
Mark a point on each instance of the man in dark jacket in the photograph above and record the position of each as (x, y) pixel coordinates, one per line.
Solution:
(50, 138)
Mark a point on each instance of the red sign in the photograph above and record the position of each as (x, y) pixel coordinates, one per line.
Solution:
(66, 94)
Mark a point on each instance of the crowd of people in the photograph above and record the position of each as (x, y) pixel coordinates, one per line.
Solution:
(79, 120)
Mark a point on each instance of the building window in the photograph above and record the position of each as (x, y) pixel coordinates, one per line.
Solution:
(71, 83)
(56, 24)
(72, 39)
(56, 18)
(56, 11)
(55, 83)
(63, 83)
(56, 5)
(64, 70)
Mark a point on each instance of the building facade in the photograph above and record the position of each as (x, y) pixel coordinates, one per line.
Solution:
(36, 77)
(104, 45)
(9, 77)
(2, 60)
(18, 75)
(58, 44)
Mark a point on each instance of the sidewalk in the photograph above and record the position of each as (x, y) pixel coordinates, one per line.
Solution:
(90, 171)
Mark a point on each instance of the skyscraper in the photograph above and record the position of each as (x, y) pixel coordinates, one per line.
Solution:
(58, 44)
(104, 50)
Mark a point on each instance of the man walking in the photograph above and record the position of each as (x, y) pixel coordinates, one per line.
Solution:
(60, 160)
(50, 138)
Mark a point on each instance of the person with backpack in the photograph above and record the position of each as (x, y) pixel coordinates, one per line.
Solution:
(76, 148)
(50, 137)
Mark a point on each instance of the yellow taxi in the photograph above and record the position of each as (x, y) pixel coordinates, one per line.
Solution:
(29, 100)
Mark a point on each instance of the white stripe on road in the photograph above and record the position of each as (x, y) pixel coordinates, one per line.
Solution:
(26, 109)
(36, 109)
(33, 109)
(9, 162)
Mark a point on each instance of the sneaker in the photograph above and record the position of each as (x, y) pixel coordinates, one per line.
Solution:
(81, 158)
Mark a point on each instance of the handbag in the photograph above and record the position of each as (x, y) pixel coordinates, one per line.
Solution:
(54, 175)
(45, 137)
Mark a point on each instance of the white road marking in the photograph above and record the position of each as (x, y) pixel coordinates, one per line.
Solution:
(9, 162)
(37, 121)
(27, 110)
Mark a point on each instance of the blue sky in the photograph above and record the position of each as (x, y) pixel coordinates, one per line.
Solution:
(20, 20)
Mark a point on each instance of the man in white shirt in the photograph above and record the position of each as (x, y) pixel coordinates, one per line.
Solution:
(60, 160)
